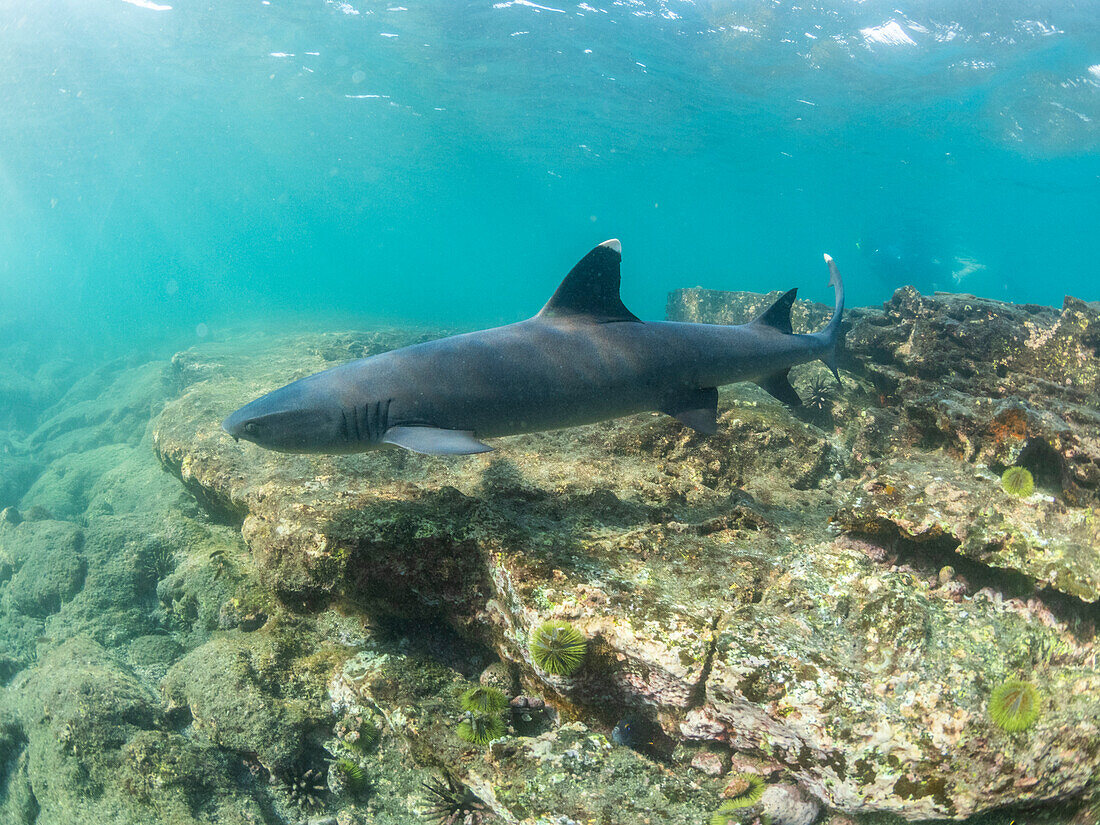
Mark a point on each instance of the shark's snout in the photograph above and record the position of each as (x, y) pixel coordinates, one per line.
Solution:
(227, 426)
(297, 418)
(236, 424)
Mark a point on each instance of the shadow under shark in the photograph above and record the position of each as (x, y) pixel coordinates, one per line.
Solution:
(584, 358)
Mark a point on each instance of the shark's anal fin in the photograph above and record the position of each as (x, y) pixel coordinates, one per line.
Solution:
(696, 408)
(434, 441)
(778, 315)
(777, 386)
(591, 289)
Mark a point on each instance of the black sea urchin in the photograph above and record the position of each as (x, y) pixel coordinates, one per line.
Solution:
(817, 394)
(452, 803)
(305, 789)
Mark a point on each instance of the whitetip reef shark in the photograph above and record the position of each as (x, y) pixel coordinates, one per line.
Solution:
(584, 358)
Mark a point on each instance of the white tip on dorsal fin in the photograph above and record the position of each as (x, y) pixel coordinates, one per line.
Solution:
(828, 258)
(591, 289)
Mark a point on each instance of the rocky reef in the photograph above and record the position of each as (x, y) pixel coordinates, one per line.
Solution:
(826, 599)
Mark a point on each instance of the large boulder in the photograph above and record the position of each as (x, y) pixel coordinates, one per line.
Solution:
(721, 602)
(239, 691)
(83, 740)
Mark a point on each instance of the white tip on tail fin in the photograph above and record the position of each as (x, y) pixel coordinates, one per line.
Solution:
(614, 245)
(832, 330)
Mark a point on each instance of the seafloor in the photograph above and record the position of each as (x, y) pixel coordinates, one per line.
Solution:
(194, 630)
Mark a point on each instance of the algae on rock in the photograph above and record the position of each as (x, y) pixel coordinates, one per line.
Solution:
(830, 595)
(707, 575)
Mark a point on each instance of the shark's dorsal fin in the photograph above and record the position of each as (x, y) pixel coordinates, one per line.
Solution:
(591, 289)
(778, 315)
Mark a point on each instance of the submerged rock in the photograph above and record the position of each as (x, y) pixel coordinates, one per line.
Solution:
(84, 638)
(788, 805)
(236, 692)
(708, 574)
(45, 566)
(992, 383)
(84, 741)
(962, 509)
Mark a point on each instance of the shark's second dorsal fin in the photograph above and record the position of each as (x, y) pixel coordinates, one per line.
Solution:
(591, 289)
(778, 315)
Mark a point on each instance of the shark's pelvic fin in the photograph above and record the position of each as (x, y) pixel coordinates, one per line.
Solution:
(778, 315)
(434, 441)
(696, 408)
(778, 386)
(591, 289)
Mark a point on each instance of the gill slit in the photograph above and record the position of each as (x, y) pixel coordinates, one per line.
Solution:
(378, 416)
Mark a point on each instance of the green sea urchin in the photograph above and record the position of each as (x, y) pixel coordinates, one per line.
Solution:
(157, 562)
(305, 789)
(727, 814)
(1017, 481)
(369, 734)
(746, 789)
(357, 733)
(481, 729)
(483, 700)
(350, 773)
(1014, 706)
(558, 648)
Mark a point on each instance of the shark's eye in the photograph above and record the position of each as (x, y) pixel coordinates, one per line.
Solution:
(251, 428)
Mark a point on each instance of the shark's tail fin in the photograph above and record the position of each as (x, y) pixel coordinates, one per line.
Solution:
(831, 332)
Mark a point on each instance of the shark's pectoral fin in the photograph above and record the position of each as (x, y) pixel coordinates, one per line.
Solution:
(777, 386)
(696, 408)
(434, 441)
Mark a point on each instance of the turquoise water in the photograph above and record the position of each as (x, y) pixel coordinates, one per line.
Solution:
(170, 168)
(199, 198)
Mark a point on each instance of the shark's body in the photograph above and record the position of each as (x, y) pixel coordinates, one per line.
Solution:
(583, 358)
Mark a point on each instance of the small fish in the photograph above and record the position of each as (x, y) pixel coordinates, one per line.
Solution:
(640, 734)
